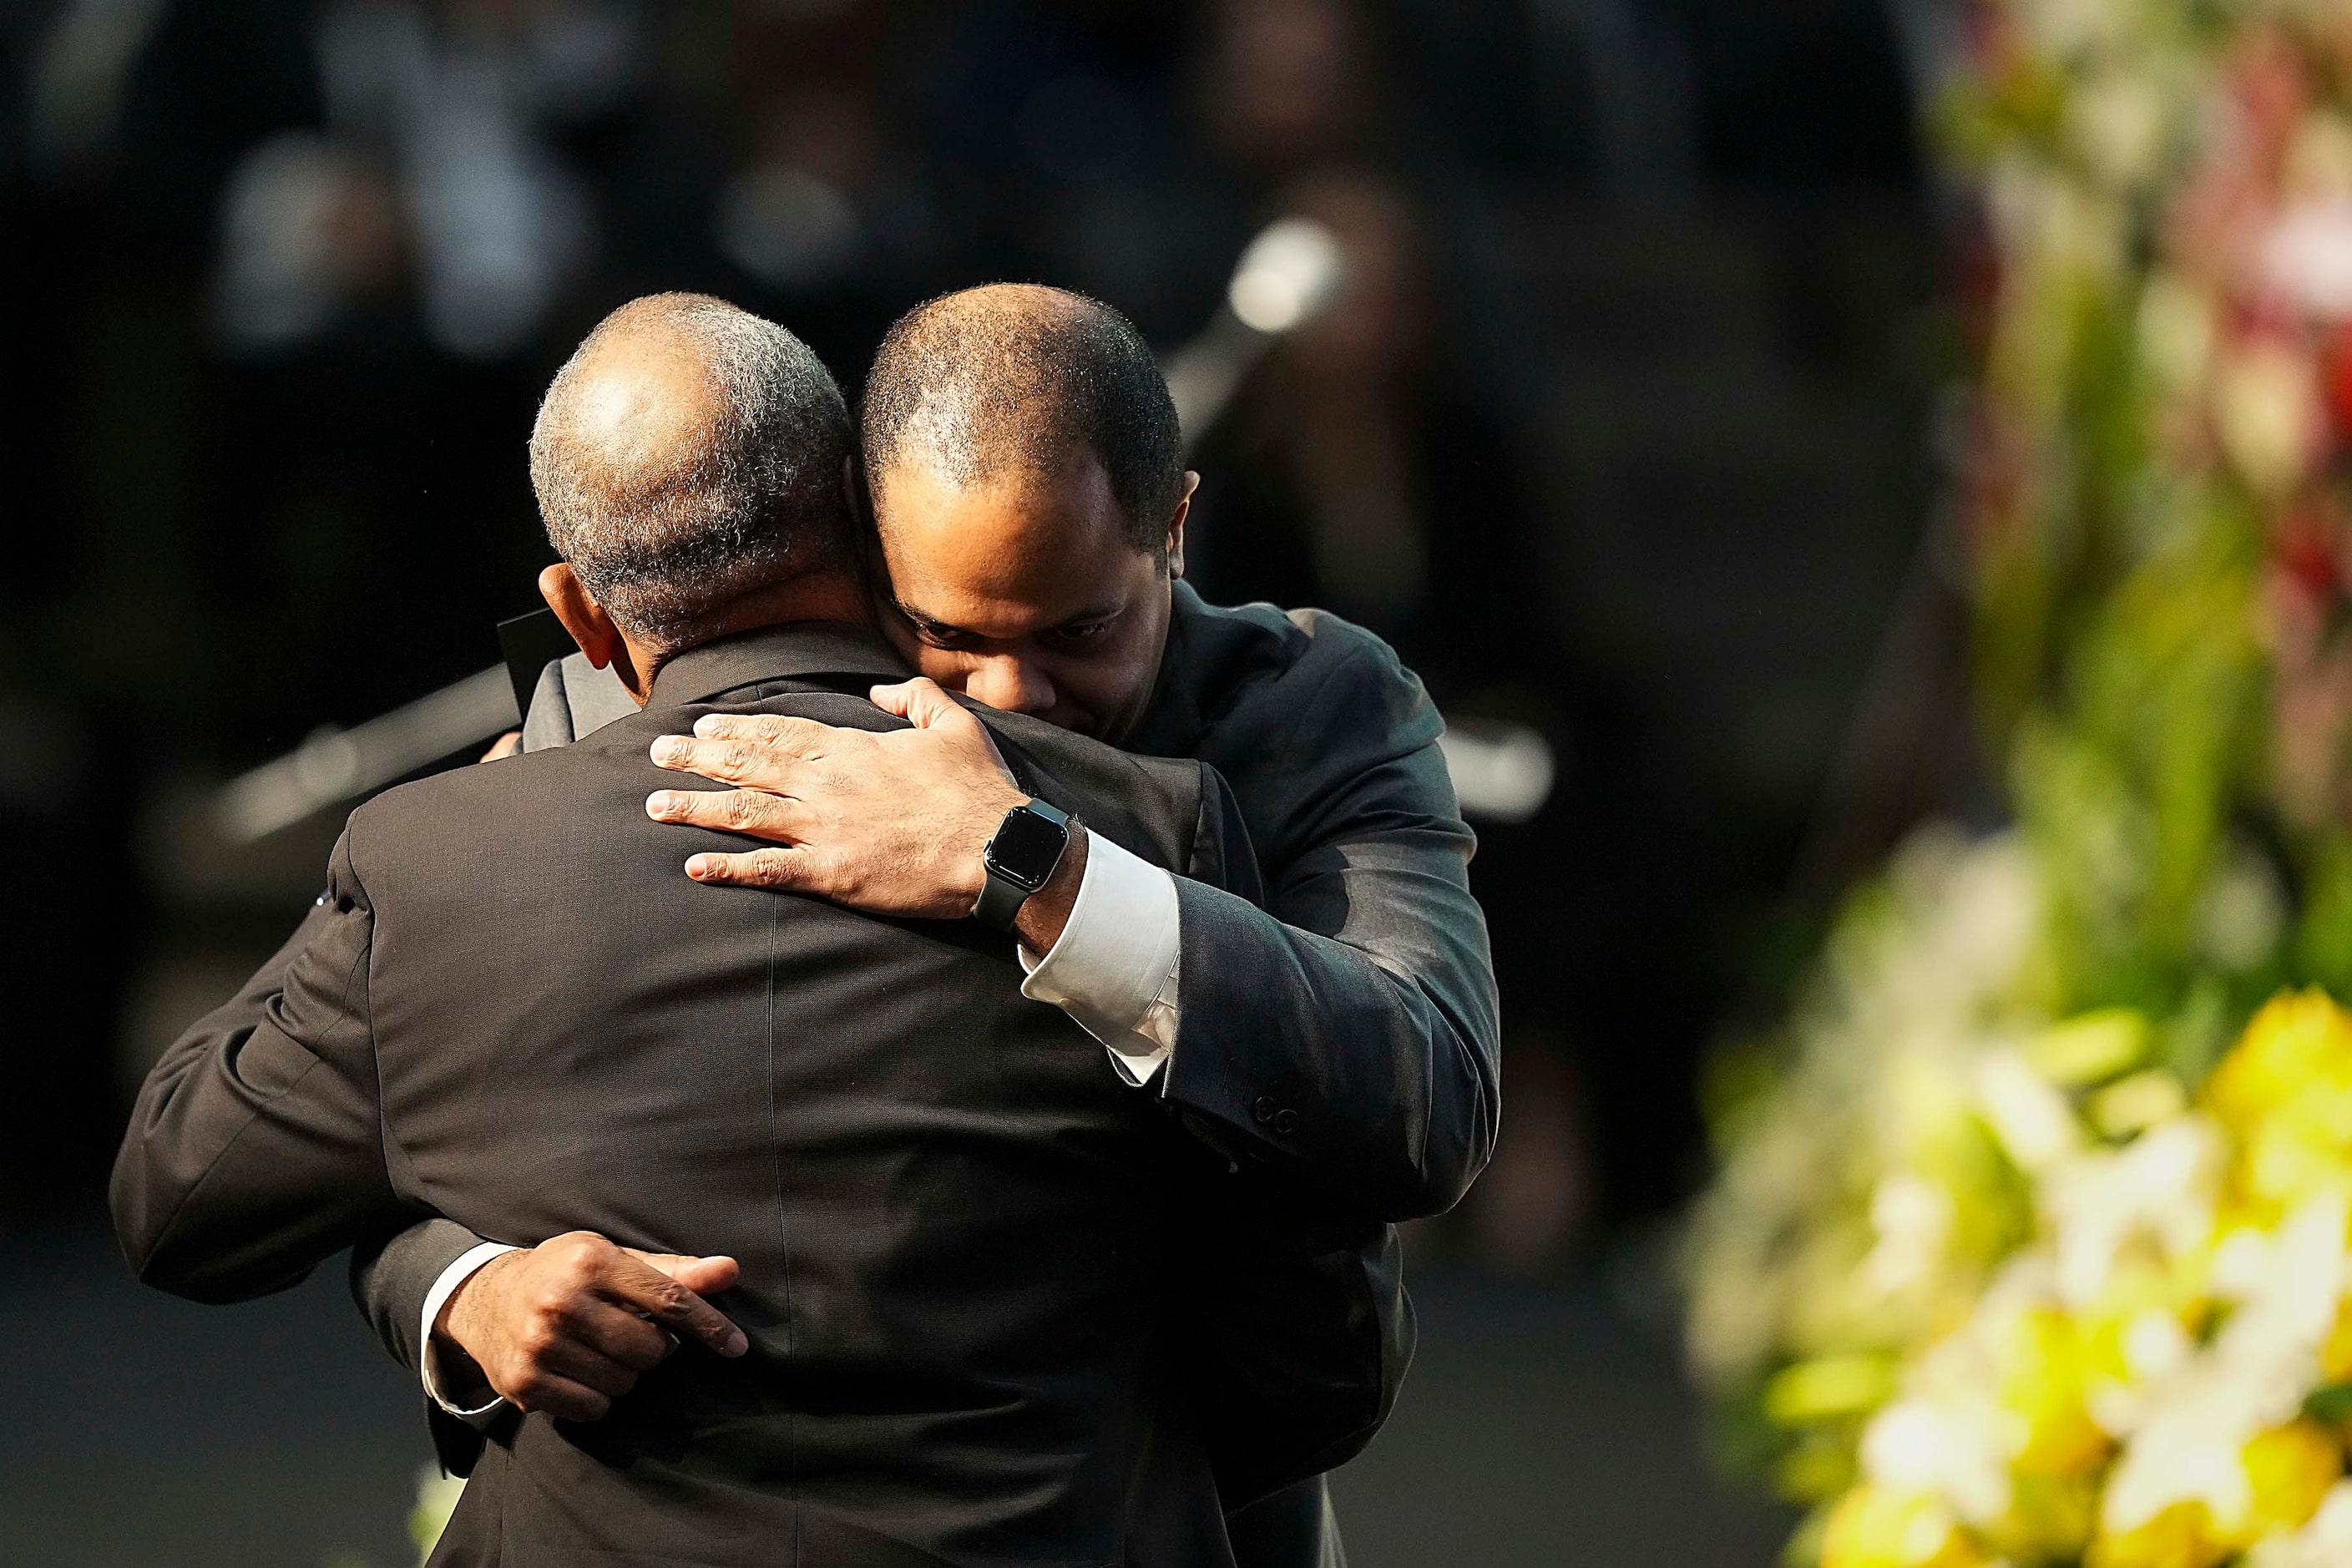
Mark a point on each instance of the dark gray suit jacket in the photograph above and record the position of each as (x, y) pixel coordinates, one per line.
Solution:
(961, 1237)
(1342, 1034)
(1345, 1028)
(1348, 1031)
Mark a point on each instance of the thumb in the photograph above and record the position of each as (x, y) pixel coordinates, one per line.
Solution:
(703, 1276)
(921, 702)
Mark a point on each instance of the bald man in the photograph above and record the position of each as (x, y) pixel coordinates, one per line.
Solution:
(953, 1248)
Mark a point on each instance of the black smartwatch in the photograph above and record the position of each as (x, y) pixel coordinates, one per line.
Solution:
(1029, 844)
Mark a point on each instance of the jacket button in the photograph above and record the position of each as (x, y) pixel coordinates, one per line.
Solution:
(1286, 1121)
(1263, 1110)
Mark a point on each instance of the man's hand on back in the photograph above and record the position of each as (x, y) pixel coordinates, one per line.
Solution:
(890, 824)
(568, 1326)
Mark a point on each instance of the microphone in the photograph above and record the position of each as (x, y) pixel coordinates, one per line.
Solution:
(1287, 275)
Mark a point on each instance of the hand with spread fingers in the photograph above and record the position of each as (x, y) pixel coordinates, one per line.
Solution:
(891, 823)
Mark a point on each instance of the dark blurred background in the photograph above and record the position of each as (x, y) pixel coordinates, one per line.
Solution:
(1621, 431)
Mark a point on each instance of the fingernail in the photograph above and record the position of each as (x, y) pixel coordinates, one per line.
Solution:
(709, 724)
(736, 1343)
(669, 748)
(699, 866)
(662, 803)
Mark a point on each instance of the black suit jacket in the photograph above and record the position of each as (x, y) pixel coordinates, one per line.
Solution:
(1344, 1031)
(1341, 1030)
(958, 1231)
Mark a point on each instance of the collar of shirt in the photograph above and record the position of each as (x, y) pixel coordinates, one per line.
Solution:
(798, 650)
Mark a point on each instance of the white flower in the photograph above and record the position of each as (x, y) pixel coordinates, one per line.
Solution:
(1956, 1448)
(2252, 1377)
(2033, 1121)
(2161, 1186)
(1914, 1221)
(2306, 257)
(2324, 1542)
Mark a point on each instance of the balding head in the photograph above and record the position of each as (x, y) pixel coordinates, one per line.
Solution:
(1014, 381)
(688, 454)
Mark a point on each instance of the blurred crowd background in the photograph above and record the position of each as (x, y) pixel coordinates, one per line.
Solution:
(1622, 430)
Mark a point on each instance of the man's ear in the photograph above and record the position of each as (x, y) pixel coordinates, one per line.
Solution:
(1176, 524)
(590, 626)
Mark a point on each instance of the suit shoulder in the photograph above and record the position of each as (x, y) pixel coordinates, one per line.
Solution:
(460, 805)
(1255, 666)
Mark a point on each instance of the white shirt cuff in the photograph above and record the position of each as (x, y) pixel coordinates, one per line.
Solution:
(1114, 969)
(457, 1274)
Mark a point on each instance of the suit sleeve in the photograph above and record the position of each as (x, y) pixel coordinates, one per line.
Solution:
(1348, 1030)
(391, 1276)
(255, 1150)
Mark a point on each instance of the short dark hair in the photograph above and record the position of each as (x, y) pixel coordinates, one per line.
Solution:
(1016, 376)
(746, 491)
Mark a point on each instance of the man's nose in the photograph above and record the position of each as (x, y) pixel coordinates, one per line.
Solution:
(1010, 684)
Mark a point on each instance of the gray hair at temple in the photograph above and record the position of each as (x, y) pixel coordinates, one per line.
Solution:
(689, 453)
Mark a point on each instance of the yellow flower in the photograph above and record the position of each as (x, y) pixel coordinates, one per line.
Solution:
(2266, 411)
(2288, 1471)
(1827, 1388)
(2287, 1092)
(2048, 1519)
(2182, 1536)
(2090, 1047)
(2043, 1381)
(2298, 1040)
(1880, 1527)
(2336, 1355)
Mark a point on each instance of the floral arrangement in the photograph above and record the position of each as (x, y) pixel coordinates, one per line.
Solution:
(2033, 1240)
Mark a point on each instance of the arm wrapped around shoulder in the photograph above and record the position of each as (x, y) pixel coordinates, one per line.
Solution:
(1345, 1027)
(255, 1150)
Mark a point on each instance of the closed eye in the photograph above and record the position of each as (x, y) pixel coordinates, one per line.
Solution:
(935, 634)
(1080, 632)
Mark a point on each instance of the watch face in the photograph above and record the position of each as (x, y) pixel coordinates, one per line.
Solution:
(1027, 849)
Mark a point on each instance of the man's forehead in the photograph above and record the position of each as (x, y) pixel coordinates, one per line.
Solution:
(1012, 518)
(1012, 545)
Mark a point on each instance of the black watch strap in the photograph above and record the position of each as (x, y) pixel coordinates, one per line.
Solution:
(1002, 896)
(999, 904)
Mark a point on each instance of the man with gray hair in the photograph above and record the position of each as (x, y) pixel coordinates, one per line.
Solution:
(670, 491)
(951, 1231)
